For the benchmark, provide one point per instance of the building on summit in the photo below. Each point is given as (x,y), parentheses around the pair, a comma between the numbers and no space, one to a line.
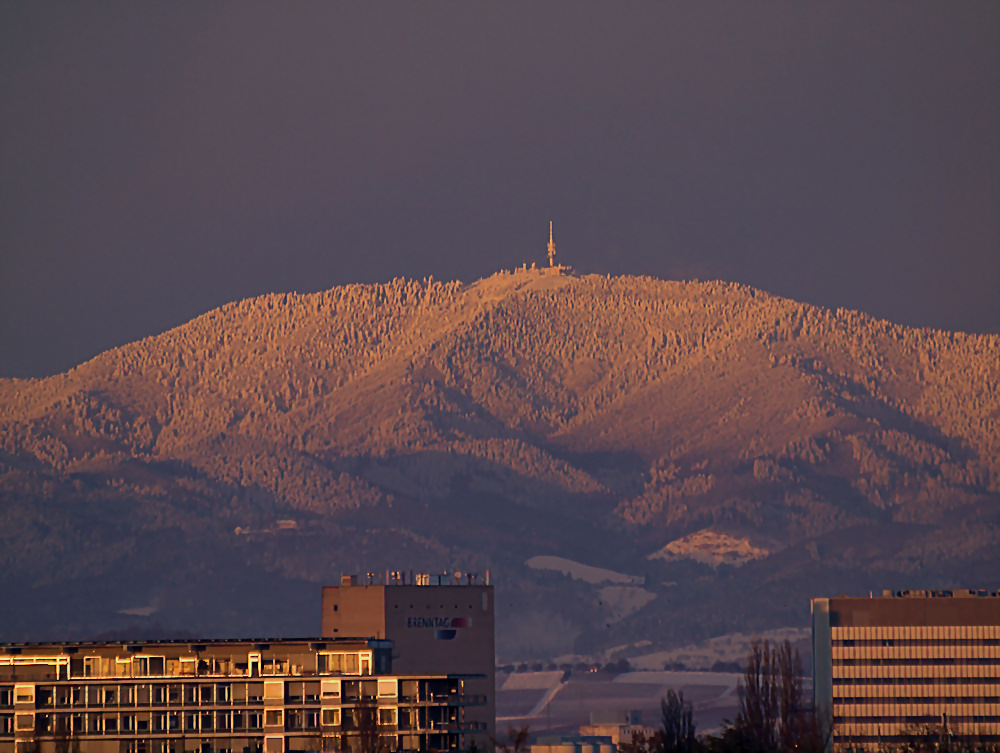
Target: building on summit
(909,664)
(354,692)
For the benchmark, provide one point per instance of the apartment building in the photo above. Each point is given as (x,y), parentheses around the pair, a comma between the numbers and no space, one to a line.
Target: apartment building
(908,664)
(339,693)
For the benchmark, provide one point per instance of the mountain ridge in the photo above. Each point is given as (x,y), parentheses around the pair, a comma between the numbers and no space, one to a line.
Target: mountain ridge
(475,426)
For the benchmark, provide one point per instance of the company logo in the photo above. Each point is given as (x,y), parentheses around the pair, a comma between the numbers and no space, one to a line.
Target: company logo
(445,628)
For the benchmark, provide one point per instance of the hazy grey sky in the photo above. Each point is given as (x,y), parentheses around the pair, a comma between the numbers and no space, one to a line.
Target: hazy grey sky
(160,159)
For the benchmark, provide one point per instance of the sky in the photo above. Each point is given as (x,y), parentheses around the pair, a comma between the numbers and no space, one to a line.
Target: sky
(158,160)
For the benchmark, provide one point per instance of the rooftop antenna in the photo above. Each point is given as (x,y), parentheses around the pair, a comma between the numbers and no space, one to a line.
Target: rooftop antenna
(552,247)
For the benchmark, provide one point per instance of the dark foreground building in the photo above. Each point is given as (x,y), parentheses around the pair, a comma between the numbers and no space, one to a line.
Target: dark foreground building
(360,692)
(908,665)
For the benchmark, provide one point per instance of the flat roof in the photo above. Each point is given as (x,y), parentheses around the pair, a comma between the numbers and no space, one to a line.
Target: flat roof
(317,644)
(909,608)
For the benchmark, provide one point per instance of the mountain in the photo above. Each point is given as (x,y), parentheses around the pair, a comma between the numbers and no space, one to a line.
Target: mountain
(637,462)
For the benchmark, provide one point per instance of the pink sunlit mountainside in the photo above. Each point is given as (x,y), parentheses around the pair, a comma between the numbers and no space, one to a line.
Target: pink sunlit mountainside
(731,452)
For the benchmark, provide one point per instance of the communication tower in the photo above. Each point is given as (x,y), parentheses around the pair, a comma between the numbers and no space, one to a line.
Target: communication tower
(552,247)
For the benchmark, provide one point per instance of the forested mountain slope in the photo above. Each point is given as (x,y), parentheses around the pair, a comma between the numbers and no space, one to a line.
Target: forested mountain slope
(441,426)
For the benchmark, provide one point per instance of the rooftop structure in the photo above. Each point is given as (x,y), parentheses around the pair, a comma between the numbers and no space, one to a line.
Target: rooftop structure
(908,665)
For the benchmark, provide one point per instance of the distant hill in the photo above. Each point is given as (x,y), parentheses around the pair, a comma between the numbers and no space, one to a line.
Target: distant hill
(731,451)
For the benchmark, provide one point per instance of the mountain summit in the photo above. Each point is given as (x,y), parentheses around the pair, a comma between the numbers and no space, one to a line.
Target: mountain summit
(718,453)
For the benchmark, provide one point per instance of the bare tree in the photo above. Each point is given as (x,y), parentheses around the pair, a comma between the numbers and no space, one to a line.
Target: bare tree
(370,739)
(756,720)
(774,715)
(677,724)
(788,689)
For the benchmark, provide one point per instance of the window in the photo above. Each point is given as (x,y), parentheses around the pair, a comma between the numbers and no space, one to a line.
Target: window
(331,716)
(330,689)
(24,721)
(273,717)
(337,663)
(274,689)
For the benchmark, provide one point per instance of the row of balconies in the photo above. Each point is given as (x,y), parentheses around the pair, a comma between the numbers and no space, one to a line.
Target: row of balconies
(41,669)
(46,725)
(211,696)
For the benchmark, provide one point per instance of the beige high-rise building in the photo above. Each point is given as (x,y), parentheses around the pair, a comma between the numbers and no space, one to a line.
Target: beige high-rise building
(908,664)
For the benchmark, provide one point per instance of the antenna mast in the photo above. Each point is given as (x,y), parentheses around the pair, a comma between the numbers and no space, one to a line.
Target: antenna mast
(552,247)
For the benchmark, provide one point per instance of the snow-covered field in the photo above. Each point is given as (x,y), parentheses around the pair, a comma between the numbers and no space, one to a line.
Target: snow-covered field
(579,571)
(550,705)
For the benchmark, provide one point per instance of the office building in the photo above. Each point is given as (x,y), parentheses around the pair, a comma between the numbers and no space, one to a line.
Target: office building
(906,665)
(437,624)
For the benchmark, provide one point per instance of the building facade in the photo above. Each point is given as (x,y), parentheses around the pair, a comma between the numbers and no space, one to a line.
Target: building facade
(337,693)
(906,665)
(439,624)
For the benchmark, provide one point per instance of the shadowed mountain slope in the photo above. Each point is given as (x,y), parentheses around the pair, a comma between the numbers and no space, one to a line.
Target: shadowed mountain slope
(209,479)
